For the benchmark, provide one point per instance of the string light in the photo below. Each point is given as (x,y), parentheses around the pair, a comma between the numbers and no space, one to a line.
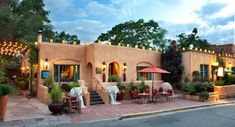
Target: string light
(13,49)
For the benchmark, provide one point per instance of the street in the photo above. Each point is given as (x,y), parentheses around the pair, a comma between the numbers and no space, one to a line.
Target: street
(222,116)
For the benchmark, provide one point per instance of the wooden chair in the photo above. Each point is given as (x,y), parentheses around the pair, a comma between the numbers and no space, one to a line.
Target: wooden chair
(71,103)
(134,95)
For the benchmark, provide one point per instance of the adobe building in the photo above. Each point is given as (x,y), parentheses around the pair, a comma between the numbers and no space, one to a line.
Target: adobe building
(204,61)
(93,64)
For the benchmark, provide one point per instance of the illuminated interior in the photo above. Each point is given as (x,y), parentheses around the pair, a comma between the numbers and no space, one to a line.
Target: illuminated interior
(66,73)
(113,68)
(144,76)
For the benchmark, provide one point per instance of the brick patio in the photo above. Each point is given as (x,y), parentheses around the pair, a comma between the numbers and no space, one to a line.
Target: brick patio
(20,108)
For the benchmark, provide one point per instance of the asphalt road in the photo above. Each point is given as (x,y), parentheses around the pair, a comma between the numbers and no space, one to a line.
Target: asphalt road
(223,116)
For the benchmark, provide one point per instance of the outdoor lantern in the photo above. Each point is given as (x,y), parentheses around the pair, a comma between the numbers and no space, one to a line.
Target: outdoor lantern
(104,66)
(46,64)
(220,72)
(124,67)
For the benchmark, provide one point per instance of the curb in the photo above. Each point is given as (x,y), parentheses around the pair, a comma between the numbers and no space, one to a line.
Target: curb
(128,116)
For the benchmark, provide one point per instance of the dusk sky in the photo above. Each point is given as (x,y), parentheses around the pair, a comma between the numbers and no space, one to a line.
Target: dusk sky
(89,18)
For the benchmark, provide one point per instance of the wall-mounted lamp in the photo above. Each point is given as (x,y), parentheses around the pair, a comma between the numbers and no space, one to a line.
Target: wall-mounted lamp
(22,68)
(104,66)
(46,64)
(124,67)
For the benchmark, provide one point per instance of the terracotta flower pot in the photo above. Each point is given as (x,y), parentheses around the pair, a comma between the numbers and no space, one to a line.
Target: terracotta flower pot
(120,96)
(3,105)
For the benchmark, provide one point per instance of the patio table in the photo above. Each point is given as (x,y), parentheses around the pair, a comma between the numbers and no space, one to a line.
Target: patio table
(144,97)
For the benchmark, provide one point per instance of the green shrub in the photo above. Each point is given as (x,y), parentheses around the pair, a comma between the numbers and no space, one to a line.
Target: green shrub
(231,79)
(203,96)
(226,79)
(196,76)
(199,87)
(65,87)
(209,87)
(142,86)
(190,87)
(56,94)
(219,82)
(74,84)
(49,81)
(6,89)
(131,86)
(114,78)
(121,87)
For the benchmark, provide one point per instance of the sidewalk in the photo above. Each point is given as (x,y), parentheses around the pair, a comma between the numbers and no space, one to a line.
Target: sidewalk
(129,108)
(30,112)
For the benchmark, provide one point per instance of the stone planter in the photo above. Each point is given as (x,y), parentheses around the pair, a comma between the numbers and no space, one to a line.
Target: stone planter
(186,95)
(3,105)
(225,91)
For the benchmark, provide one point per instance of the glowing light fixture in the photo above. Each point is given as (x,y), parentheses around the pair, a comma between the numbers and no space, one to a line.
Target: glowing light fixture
(104,66)
(220,72)
(124,67)
(46,64)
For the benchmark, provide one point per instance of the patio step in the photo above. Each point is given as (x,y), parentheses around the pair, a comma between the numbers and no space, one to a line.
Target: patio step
(95,98)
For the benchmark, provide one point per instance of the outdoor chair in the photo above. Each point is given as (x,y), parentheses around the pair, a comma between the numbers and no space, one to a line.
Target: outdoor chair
(71,103)
(160,90)
(170,94)
(134,95)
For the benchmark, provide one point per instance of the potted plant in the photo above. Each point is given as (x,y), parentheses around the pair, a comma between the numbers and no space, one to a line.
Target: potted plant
(121,93)
(4,91)
(131,88)
(56,106)
(118,80)
(142,88)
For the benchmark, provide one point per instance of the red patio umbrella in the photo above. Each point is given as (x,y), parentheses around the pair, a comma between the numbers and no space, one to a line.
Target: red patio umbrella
(153,70)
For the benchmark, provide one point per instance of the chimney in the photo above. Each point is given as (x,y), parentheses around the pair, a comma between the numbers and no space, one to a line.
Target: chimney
(39,39)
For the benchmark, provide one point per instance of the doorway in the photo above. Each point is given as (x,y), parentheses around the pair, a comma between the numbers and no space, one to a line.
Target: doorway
(113,68)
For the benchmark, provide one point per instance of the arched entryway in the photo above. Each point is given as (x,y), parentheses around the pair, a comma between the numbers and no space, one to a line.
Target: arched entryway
(89,75)
(113,69)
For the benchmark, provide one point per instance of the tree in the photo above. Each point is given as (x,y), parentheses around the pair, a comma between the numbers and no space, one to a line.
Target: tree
(186,40)
(58,37)
(171,60)
(20,20)
(144,34)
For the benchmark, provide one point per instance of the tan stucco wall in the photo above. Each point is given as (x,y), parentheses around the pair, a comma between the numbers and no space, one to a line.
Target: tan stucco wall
(192,60)
(131,56)
(90,57)
(61,54)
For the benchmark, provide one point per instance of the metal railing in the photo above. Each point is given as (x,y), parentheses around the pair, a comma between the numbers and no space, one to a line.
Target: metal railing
(98,84)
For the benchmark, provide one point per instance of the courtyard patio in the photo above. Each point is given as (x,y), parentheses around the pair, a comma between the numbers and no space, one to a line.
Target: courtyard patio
(21,108)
